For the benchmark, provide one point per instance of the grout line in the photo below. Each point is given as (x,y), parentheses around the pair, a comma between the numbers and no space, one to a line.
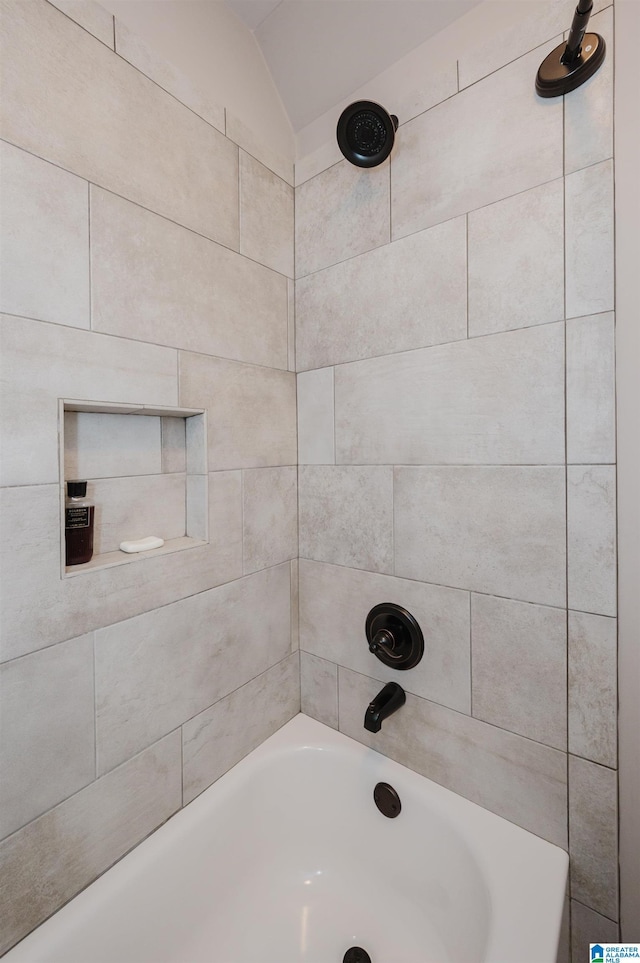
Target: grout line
(586,906)
(470,656)
(390,204)
(150,210)
(616,506)
(466,238)
(393,521)
(152,609)
(174,97)
(454,588)
(452,217)
(270,668)
(566,472)
(311,467)
(474,719)
(442,344)
(155,344)
(333,386)
(89,252)
(82,27)
(244,572)
(239,201)
(555,39)
(182,765)
(114,33)
(95,708)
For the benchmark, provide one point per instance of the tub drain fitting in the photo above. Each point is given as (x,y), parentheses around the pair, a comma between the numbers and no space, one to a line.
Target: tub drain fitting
(387,800)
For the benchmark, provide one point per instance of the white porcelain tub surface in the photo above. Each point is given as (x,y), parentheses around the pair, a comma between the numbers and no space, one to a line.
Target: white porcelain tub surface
(286,859)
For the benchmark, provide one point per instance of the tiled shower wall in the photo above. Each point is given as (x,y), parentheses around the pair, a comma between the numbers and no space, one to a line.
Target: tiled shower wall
(146,258)
(456,443)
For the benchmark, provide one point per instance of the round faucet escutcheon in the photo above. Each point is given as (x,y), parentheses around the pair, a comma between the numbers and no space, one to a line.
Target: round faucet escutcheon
(394,636)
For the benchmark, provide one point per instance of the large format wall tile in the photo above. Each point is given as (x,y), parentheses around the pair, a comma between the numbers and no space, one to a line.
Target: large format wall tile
(100,445)
(68,607)
(591,538)
(592,687)
(249,141)
(593,841)
(94,114)
(44,240)
(44,362)
(47,746)
(160,282)
(588,113)
(50,860)
(335,601)
(316,442)
(218,738)
(174,444)
(548,19)
(291,342)
(591,434)
(156,670)
(488,400)
(519,658)
(319,689)
(514,777)
(91,16)
(134,49)
(351,204)
(295,604)
(270,516)
(319,160)
(589,240)
(266,216)
(499,530)
(252,411)
(516,261)
(404,295)
(346,516)
(490,141)
(588,926)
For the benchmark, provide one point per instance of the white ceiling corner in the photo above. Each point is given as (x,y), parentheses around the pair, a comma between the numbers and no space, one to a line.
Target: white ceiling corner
(319,51)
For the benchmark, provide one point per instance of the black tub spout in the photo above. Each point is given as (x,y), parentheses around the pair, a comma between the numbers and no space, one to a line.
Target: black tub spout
(387,701)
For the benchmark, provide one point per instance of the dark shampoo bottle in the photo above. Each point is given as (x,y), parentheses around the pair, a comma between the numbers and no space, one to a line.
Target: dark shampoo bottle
(78,524)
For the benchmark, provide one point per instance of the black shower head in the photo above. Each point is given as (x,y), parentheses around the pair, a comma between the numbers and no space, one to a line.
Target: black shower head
(573,62)
(366,133)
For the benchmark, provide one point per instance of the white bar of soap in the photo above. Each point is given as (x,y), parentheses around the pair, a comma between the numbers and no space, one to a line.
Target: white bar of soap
(142,544)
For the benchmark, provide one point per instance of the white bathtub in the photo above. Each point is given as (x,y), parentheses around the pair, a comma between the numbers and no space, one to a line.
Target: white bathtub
(286,859)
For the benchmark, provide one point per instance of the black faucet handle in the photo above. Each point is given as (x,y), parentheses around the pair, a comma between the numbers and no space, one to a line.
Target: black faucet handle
(385,641)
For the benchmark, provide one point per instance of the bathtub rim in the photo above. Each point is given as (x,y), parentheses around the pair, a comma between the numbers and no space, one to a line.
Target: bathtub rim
(515,926)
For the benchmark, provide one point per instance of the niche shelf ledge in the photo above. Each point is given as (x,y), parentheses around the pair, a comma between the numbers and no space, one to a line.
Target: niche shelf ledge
(169,481)
(111,559)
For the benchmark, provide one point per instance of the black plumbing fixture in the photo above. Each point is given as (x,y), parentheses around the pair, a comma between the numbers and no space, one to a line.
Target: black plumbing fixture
(387,701)
(366,133)
(387,800)
(570,64)
(355,954)
(394,636)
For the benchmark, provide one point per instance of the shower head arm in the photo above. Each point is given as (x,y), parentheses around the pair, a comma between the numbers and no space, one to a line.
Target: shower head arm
(579,23)
(570,65)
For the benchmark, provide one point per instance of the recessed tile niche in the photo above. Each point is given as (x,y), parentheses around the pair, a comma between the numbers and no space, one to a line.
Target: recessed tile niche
(146,472)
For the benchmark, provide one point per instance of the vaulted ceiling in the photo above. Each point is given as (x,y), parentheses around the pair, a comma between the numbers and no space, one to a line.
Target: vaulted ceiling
(318,51)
